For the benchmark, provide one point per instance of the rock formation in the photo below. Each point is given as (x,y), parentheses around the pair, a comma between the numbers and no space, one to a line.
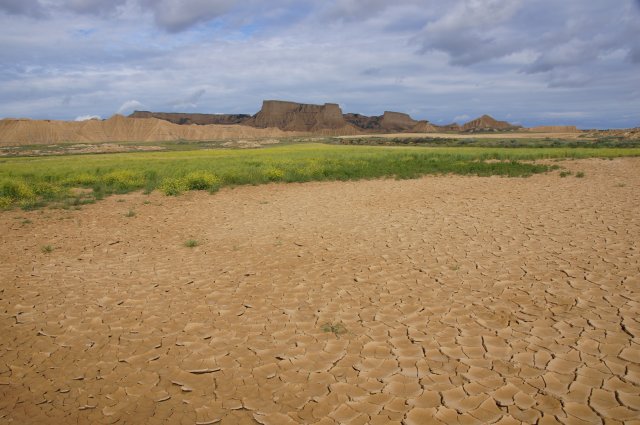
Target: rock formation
(200,119)
(389,122)
(487,123)
(291,116)
(449,127)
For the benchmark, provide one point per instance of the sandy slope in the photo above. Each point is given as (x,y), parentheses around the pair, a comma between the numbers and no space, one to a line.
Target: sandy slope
(121,129)
(464,298)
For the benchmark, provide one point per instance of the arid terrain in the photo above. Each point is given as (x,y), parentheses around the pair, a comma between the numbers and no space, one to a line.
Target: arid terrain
(446,299)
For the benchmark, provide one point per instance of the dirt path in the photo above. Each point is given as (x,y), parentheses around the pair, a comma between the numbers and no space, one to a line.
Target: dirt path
(452,299)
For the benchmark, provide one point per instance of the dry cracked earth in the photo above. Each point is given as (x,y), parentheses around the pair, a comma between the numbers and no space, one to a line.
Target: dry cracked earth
(439,300)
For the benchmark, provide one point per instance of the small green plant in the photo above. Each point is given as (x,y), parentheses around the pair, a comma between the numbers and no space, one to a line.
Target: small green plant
(46,249)
(580,174)
(130,213)
(335,328)
(26,221)
(565,173)
(191,243)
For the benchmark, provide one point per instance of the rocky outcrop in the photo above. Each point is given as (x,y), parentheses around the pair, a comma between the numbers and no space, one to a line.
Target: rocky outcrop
(449,127)
(200,119)
(487,123)
(291,116)
(397,122)
(389,122)
(424,127)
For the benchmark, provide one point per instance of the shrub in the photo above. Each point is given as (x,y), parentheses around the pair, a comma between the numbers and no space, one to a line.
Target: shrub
(202,180)
(16,190)
(191,243)
(173,187)
(5,202)
(580,174)
(123,180)
(274,173)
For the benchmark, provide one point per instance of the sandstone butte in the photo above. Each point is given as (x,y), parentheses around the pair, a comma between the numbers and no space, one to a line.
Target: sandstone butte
(275,119)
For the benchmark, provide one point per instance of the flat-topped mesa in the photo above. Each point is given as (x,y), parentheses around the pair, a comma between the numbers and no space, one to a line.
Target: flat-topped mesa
(487,123)
(292,116)
(188,118)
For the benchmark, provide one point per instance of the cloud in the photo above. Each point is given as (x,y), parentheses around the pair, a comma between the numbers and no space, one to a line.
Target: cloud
(87,117)
(129,106)
(96,7)
(178,15)
(190,102)
(31,8)
(472,31)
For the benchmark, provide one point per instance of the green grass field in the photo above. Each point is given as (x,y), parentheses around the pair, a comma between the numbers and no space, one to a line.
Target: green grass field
(31,182)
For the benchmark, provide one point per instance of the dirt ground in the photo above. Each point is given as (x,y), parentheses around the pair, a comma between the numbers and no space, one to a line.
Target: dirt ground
(439,300)
(506,135)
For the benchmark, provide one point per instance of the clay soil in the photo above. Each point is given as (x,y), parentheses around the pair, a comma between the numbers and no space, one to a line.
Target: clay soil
(435,300)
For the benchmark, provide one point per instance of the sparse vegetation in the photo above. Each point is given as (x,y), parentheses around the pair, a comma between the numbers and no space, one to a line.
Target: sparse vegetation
(46,249)
(191,243)
(68,181)
(335,328)
(565,173)
(130,213)
(580,174)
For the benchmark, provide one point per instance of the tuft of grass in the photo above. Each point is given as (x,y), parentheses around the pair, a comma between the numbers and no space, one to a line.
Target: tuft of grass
(621,185)
(130,213)
(191,243)
(26,221)
(565,173)
(46,249)
(580,174)
(335,328)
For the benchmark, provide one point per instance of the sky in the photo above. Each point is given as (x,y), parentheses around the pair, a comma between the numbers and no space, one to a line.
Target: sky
(530,62)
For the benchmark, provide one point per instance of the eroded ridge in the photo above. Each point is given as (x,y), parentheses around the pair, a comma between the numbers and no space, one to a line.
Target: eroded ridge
(438,300)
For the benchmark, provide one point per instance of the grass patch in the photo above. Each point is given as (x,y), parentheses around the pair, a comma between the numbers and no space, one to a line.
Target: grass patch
(46,249)
(580,174)
(130,213)
(191,243)
(335,328)
(71,180)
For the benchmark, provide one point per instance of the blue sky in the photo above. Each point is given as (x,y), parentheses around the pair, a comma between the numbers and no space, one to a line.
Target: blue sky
(531,62)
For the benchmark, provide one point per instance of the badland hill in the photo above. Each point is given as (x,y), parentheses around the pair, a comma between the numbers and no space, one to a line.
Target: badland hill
(275,119)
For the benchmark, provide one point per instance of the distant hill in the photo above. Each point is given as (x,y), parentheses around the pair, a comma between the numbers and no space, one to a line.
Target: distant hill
(487,123)
(120,129)
(187,118)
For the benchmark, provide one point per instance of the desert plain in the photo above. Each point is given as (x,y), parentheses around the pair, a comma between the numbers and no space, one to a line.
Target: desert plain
(444,299)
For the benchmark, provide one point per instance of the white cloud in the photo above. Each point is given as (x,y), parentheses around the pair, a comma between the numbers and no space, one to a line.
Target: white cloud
(87,117)
(129,106)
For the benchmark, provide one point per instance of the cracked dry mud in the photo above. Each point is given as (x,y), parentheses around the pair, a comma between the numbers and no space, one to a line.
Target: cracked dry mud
(463,299)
